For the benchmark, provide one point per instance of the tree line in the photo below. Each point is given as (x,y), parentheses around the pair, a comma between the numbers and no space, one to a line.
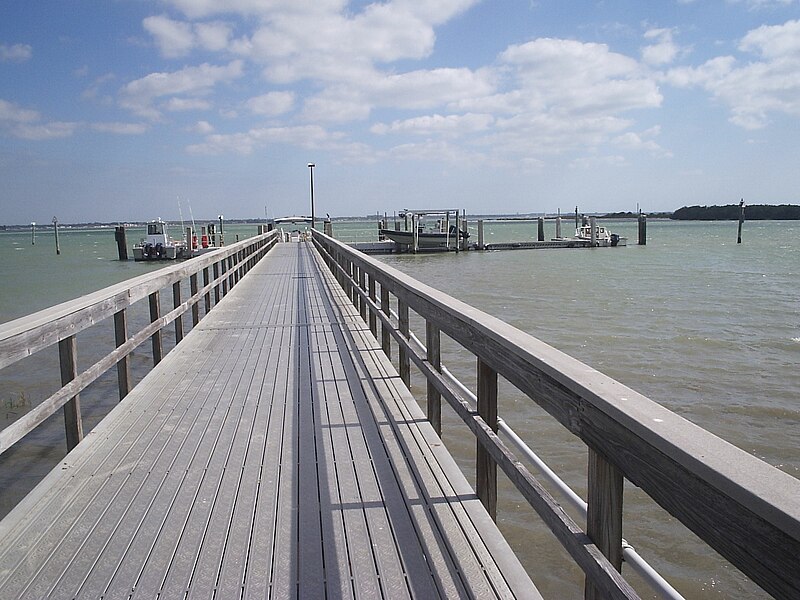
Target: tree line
(730,212)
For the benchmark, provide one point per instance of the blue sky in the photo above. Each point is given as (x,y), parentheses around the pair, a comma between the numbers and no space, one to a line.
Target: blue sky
(114,110)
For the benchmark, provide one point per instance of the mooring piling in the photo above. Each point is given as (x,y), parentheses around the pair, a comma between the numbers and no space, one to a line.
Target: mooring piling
(642,229)
(55,230)
(540,235)
(122,244)
(741,220)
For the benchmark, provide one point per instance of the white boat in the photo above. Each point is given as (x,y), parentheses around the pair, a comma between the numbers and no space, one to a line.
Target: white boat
(158,245)
(434,229)
(425,238)
(603,237)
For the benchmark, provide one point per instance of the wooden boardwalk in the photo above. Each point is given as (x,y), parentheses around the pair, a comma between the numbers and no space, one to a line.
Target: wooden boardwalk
(273,453)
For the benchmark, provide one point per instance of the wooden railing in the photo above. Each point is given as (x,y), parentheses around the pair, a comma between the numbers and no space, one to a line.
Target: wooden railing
(745,509)
(220,271)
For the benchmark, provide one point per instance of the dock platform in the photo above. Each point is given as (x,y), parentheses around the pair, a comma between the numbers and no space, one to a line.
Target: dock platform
(274,452)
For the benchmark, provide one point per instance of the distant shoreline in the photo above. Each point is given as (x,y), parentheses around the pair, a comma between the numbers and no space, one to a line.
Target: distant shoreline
(728,212)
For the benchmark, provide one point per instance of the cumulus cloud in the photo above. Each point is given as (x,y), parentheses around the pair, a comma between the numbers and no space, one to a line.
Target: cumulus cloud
(453,125)
(271,103)
(15,53)
(121,128)
(139,95)
(663,49)
(178,38)
(26,124)
(768,83)
(306,136)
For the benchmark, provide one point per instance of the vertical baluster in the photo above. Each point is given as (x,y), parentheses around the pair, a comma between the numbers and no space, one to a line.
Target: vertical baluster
(362,302)
(196,306)
(123,366)
(485,467)
(68,360)
(386,337)
(433,345)
(373,320)
(176,302)
(156,339)
(208,293)
(604,513)
(215,268)
(405,362)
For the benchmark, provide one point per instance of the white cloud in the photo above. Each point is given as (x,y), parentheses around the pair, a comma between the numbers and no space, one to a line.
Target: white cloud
(44,131)
(271,103)
(576,77)
(178,38)
(10,112)
(184,104)
(307,136)
(754,90)
(663,50)
(15,53)
(438,124)
(763,4)
(202,127)
(121,128)
(174,38)
(138,95)
(25,123)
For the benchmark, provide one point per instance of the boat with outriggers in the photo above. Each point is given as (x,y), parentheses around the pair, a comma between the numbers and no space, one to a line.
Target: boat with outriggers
(158,245)
(602,236)
(425,234)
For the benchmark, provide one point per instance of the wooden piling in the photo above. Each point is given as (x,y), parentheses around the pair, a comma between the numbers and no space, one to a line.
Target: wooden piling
(33,233)
(55,230)
(485,467)
(642,229)
(122,243)
(593,231)
(540,235)
(480,234)
(741,220)
(558,227)
(68,359)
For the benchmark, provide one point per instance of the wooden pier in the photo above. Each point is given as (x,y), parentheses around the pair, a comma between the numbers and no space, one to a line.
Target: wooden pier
(274,452)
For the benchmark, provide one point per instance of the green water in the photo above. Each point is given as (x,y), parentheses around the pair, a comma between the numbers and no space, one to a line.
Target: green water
(704,326)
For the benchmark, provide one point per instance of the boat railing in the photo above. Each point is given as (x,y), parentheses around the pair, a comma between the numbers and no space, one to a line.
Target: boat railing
(60,325)
(745,509)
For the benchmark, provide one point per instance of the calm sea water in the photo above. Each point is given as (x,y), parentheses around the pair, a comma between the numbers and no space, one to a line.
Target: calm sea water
(706,327)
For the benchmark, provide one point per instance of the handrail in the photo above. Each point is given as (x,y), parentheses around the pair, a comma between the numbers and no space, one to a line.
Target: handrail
(642,568)
(745,509)
(59,324)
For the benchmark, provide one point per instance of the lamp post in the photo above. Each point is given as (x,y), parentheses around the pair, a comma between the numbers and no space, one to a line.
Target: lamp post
(311,171)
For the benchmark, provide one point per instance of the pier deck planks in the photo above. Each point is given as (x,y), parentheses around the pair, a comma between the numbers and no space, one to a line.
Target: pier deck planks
(273,453)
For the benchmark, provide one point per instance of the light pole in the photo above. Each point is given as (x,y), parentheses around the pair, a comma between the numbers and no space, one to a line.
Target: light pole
(311,171)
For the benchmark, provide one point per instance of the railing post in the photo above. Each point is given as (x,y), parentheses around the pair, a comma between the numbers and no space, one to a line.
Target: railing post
(196,306)
(155,314)
(362,302)
(208,293)
(604,513)
(123,366)
(373,320)
(215,268)
(176,302)
(386,336)
(485,467)
(405,362)
(68,360)
(224,268)
(433,345)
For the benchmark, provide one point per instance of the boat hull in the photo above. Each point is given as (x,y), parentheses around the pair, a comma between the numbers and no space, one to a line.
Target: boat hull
(424,239)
